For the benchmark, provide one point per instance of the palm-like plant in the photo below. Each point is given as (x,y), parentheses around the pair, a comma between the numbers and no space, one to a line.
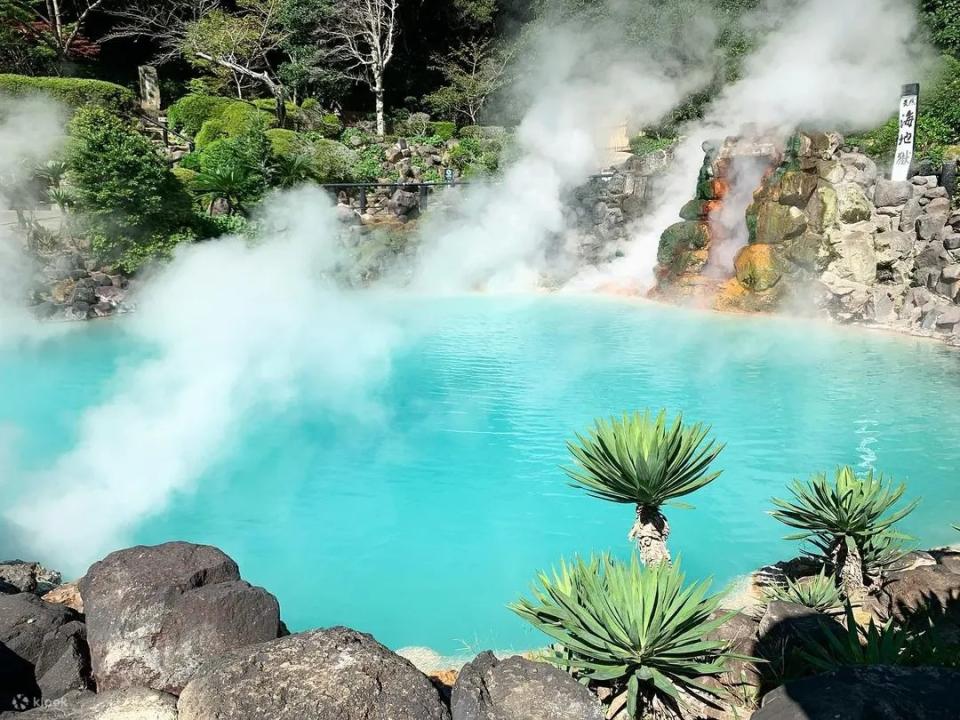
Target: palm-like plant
(646,461)
(818,592)
(631,626)
(230,182)
(849,522)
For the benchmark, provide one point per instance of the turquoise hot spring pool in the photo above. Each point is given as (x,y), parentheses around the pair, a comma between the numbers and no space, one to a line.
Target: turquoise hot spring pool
(421,527)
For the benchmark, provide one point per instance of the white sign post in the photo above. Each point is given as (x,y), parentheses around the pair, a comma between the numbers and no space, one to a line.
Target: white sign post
(909,105)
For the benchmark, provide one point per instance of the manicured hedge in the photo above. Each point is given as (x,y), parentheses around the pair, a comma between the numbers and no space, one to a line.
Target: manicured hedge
(72,92)
(189,113)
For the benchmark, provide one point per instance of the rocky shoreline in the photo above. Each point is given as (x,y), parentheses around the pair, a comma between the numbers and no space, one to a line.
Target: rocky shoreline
(173,632)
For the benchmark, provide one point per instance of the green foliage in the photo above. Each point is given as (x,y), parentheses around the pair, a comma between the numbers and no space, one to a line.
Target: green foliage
(368,166)
(471,131)
(236,168)
(332,161)
(942,18)
(134,208)
(818,592)
(186,176)
(73,92)
(239,117)
(355,137)
(624,624)
(283,143)
(190,112)
(210,131)
(443,130)
(643,459)
(646,144)
(850,509)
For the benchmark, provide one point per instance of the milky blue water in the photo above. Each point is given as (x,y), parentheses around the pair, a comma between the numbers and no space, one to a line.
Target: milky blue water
(421,527)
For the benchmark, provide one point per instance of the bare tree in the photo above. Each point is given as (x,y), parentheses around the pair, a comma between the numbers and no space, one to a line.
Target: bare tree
(239,45)
(63,23)
(359,36)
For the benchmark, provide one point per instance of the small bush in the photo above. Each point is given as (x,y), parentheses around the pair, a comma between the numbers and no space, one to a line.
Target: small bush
(369,164)
(284,143)
(72,92)
(416,125)
(186,176)
(818,593)
(646,144)
(189,113)
(443,130)
(471,131)
(357,137)
(133,207)
(211,130)
(239,117)
(332,161)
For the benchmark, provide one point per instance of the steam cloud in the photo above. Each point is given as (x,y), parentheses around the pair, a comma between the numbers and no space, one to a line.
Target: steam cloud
(822,64)
(31,131)
(233,326)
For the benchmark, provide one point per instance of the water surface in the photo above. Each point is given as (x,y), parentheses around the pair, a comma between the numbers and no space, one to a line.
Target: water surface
(421,523)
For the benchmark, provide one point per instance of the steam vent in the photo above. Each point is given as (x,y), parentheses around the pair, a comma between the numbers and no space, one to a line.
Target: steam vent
(759,230)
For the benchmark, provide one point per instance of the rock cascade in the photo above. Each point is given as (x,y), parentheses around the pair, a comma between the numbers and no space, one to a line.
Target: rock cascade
(825,233)
(71,287)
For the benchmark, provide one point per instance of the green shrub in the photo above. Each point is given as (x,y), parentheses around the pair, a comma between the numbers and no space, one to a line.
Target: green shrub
(355,138)
(310,104)
(332,161)
(211,130)
(284,143)
(186,176)
(239,117)
(191,161)
(189,113)
(623,624)
(414,125)
(646,144)
(235,168)
(369,164)
(471,131)
(72,92)
(818,592)
(133,207)
(443,130)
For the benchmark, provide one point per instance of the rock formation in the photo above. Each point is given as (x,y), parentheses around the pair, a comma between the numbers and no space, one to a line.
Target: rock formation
(824,233)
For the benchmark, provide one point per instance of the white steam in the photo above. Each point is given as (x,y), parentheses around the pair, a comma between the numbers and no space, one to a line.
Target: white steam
(824,64)
(580,90)
(233,327)
(31,131)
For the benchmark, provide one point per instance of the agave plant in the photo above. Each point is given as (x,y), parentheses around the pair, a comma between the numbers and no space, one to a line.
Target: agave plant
(646,461)
(849,522)
(873,645)
(631,626)
(819,592)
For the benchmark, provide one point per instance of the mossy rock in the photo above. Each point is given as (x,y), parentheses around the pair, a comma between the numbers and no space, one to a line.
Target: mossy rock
(696,209)
(778,223)
(852,204)
(734,297)
(711,189)
(804,250)
(682,236)
(822,209)
(796,188)
(758,267)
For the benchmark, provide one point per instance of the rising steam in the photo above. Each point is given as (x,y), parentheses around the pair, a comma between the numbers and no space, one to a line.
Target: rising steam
(232,326)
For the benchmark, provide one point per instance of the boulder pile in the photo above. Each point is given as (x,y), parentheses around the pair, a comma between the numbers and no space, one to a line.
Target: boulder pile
(172,632)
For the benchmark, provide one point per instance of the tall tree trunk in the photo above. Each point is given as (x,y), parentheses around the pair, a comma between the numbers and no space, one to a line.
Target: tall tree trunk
(378,92)
(848,564)
(650,532)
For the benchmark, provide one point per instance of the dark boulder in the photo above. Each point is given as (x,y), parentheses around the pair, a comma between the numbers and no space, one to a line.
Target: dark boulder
(331,674)
(154,614)
(931,588)
(784,628)
(867,693)
(741,634)
(125,704)
(29,577)
(42,650)
(520,689)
